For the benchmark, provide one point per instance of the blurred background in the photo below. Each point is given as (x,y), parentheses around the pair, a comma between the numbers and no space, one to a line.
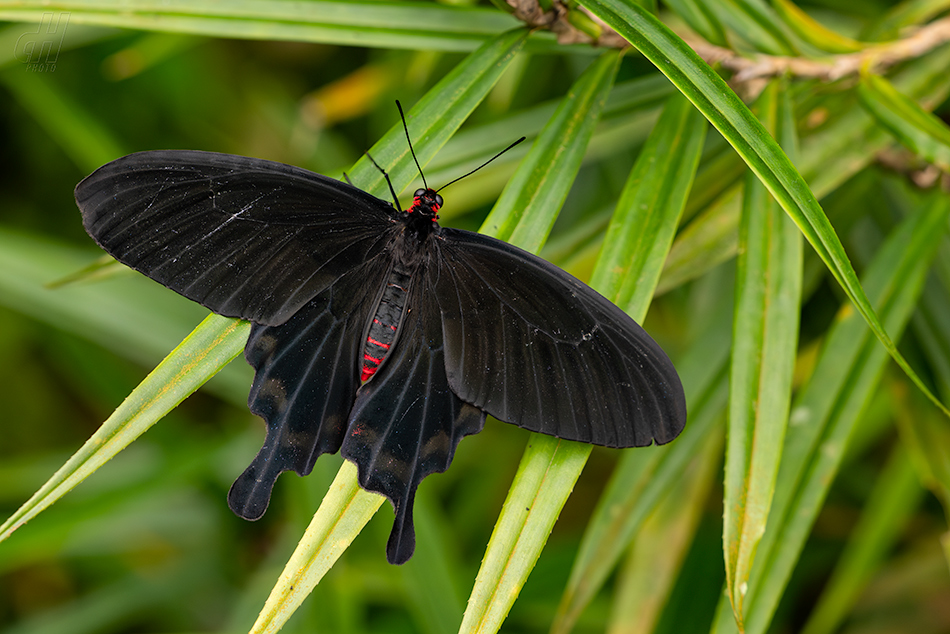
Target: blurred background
(148,544)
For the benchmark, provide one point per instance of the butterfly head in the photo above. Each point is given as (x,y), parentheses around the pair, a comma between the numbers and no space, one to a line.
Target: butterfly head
(426,203)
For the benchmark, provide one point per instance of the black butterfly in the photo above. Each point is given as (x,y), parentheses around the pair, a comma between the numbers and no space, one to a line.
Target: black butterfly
(376,330)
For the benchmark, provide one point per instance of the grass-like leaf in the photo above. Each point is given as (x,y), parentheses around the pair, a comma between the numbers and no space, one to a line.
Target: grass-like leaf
(765,337)
(411,25)
(918,130)
(212,345)
(648,212)
(812,31)
(550,466)
(829,407)
(895,495)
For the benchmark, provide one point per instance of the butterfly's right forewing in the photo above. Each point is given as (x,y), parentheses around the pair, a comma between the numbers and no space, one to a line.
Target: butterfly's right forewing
(244,237)
(533,346)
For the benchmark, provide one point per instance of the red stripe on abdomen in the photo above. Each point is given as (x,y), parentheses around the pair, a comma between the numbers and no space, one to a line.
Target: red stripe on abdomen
(382,330)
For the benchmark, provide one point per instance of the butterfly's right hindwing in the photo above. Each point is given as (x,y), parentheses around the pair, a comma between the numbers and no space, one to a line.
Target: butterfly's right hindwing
(307,375)
(244,237)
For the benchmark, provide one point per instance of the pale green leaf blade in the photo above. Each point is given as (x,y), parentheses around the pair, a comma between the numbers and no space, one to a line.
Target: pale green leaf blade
(918,130)
(843,146)
(701,19)
(641,230)
(656,556)
(544,480)
(528,206)
(814,32)
(755,22)
(211,346)
(831,404)
(342,515)
(550,466)
(896,493)
(437,116)
(643,477)
(412,25)
(765,338)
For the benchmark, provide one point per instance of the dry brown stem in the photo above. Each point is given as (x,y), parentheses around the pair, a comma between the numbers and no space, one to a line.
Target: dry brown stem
(876,57)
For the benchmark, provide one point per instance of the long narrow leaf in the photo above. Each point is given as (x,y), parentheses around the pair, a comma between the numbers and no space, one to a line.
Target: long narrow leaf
(724,110)
(212,345)
(842,147)
(765,337)
(651,568)
(528,206)
(550,466)
(918,130)
(830,406)
(643,478)
(329,534)
(895,495)
(411,25)
(648,212)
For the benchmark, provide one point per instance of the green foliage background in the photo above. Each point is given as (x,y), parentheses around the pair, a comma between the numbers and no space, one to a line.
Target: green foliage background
(831,515)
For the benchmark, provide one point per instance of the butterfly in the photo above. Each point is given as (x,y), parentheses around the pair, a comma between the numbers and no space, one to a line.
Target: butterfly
(377,332)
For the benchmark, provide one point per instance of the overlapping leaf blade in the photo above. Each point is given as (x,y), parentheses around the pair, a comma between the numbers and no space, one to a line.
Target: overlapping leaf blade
(710,94)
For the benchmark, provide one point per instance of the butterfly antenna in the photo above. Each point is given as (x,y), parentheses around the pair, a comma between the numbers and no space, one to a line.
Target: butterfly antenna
(405,127)
(386,176)
(483,164)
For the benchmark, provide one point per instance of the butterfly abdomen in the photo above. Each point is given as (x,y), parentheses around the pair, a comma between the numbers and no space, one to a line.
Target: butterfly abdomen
(382,330)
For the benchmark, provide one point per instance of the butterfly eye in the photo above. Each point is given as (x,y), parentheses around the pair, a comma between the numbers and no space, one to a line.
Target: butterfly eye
(438,200)
(418,193)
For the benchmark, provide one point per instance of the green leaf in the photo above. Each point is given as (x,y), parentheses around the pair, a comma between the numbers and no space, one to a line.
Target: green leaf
(212,345)
(329,534)
(765,338)
(412,25)
(701,19)
(710,94)
(829,156)
(903,14)
(921,132)
(643,477)
(648,212)
(814,32)
(755,22)
(437,116)
(550,466)
(528,206)
(831,404)
(656,555)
